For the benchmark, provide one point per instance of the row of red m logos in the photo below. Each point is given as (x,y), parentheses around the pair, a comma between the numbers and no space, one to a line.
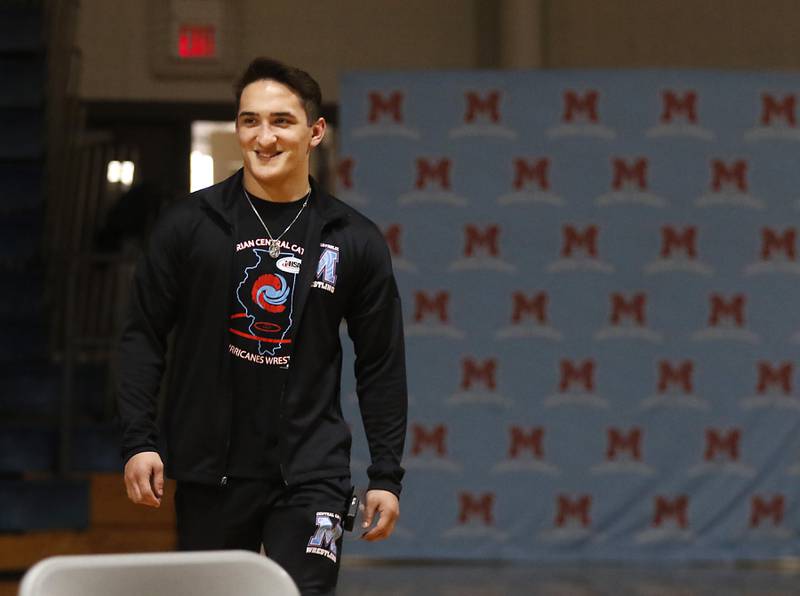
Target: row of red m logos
(727,317)
(576,510)
(770,109)
(534,174)
(583,244)
(624,446)
(670,379)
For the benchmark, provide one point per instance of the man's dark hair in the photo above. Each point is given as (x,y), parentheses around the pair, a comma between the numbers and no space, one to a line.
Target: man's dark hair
(297,80)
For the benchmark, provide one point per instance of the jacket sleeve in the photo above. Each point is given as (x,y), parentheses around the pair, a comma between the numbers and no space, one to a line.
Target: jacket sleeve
(143,345)
(375,324)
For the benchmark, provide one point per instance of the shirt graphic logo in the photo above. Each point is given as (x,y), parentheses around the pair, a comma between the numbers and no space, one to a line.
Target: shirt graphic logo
(270,292)
(328,531)
(326,268)
(266,301)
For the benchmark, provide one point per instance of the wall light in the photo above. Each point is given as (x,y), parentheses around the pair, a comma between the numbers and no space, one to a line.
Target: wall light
(120,172)
(114,171)
(126,176)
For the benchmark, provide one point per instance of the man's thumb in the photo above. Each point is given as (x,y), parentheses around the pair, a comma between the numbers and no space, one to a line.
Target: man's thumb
(369,511)
(159,483)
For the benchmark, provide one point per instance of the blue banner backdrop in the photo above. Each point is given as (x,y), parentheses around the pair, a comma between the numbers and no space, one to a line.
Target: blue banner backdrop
(600,283)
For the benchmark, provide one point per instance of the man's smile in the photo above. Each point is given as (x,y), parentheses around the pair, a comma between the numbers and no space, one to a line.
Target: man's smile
(266,155)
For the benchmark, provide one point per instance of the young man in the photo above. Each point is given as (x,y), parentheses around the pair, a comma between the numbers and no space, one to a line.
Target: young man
(254,276)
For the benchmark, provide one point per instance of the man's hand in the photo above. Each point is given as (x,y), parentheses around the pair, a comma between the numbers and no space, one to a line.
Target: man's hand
(387,506)
(144,479)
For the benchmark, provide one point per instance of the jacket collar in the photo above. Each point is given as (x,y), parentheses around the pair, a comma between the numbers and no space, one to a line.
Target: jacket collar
(222,199)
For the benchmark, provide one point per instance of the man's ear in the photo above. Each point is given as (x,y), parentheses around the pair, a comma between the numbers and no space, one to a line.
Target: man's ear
(318,131)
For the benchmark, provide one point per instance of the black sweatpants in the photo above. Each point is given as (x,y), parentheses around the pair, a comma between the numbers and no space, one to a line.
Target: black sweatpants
(300,527)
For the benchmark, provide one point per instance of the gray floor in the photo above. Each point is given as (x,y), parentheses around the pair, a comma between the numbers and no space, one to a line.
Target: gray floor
(475,579)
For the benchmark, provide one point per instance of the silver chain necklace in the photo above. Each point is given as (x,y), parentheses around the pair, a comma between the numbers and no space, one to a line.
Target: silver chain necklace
(274,245)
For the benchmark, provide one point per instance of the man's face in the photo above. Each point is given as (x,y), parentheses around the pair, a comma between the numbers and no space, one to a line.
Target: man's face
(274,134)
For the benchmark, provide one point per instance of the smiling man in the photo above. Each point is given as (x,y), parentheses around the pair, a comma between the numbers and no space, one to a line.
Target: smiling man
(254,276)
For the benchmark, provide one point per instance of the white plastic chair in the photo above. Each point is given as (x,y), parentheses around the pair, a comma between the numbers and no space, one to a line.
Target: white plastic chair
(206,573)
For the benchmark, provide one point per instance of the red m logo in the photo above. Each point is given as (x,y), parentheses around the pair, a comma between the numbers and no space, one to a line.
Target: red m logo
(779,377)
(574,240)
(725,177)
(671,509)
(761,509)
(672,241)
(722,444)
(783,110)
(537,172)
(685,107)
(531,440)
(573,509)
(484,373)
(726,310)
(436,306)
(580,107)
(434,173)
(471,506)
(680,376)
(619,442)
(535,306)
(633,308)
(393,233)
(380,106)
(485,240)
(489,105)
(772,242)
(574,374)
(628,176)
(424,439)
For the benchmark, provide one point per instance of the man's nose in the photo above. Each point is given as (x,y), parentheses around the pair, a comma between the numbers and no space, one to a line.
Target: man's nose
(266,136)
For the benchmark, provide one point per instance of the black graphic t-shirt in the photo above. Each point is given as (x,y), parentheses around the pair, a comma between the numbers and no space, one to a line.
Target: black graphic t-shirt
(261,328)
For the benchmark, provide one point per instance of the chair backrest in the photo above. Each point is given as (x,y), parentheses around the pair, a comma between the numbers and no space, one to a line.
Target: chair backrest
(207,573)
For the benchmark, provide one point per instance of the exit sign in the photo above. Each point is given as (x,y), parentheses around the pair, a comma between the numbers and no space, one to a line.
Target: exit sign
(197,41)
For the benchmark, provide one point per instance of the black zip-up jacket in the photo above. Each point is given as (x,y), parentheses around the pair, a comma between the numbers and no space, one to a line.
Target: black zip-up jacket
(183,284)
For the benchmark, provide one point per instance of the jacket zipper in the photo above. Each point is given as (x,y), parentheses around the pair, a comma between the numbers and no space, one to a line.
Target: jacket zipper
(285,383)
